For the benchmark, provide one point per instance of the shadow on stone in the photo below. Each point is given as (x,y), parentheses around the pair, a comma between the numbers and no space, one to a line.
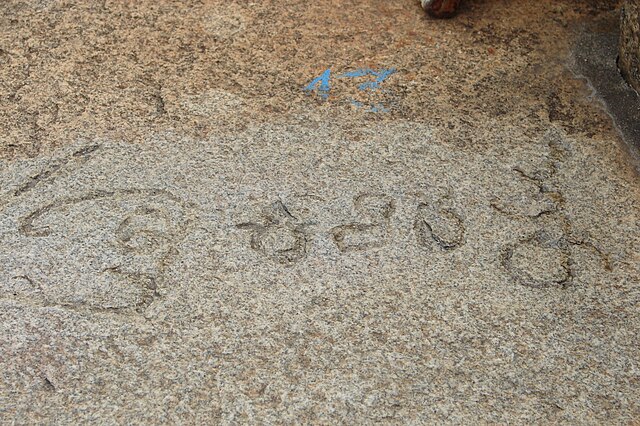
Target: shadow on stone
(595,57)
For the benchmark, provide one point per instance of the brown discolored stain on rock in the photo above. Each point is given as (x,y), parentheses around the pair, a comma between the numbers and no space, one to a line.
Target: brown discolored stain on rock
(127,70)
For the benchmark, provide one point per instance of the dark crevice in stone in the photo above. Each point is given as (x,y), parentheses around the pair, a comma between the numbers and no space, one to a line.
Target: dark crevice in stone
(595,58)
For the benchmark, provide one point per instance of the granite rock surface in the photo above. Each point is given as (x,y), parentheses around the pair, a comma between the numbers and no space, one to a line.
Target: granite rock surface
(445,227)
(630,43)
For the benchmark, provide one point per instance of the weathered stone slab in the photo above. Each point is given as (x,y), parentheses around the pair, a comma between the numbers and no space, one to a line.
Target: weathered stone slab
(630,43)
(316,212)
(184,267)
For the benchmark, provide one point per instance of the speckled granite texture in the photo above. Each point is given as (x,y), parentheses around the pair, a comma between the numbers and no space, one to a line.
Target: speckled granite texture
(630,43)
(445,228)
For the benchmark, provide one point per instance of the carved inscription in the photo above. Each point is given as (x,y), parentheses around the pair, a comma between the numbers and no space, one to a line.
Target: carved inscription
(531,191)
(109,250)
(285,239)
(538,261)
(543,259)
(120,243)
(375,211)
(49,173)
(280,236)
(437,226)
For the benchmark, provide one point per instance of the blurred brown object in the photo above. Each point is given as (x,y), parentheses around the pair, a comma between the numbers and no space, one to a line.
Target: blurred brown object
(441,8)
(629,61)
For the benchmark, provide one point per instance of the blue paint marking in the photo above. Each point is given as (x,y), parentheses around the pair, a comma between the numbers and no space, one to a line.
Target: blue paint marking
(378,108)
(323,84)
(381,76)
